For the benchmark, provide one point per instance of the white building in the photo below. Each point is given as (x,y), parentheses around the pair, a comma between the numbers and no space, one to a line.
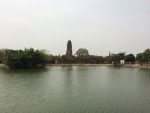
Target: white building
(122,62)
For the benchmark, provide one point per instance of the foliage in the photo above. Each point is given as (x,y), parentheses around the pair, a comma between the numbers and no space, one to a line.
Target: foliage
(97,59)
(82,59)
(2,55)
(91,59)
(144,58)
(108,59)
(28,58)
(51,59)
(82,52)
(115,58)
(130,58)
(67,59)
(139,58)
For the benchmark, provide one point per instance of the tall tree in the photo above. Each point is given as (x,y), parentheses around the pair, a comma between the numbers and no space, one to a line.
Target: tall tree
(82,52)
(2,55)
(139,58)
(146,56)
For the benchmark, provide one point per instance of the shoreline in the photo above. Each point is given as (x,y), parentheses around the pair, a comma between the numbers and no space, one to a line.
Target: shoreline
(3,66)
(136,66)
(125,65)
(79,65)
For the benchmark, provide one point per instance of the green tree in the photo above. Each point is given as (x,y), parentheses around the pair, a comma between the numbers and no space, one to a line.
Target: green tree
(139,58)
(28,58)
(2,55)
(115,58)
(146,56)
(82,56)
(130,58)
(67,59)
(82,52)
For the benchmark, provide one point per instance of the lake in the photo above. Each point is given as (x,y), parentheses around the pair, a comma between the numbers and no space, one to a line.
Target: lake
(75,89)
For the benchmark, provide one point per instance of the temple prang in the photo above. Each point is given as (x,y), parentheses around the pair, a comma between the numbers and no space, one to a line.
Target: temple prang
(69,49)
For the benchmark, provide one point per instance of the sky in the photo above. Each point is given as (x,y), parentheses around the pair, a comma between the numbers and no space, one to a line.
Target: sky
(101,26)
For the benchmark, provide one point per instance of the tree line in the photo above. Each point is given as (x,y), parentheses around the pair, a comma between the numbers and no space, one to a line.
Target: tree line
(30,58)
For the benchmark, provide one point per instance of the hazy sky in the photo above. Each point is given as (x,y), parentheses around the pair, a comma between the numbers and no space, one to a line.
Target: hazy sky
(97,25)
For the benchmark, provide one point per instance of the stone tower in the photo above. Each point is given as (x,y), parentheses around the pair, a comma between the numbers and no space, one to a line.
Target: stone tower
(69,49)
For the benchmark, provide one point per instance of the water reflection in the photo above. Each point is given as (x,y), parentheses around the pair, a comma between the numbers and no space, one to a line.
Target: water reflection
(75,89)
(16,71)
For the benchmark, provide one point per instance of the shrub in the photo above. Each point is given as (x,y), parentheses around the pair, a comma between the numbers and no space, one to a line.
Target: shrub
(28,58)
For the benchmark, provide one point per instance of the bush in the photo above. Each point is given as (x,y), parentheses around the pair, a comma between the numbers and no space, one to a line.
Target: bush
(28,58)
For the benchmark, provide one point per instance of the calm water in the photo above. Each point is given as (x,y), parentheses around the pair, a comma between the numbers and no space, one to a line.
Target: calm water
(75,89)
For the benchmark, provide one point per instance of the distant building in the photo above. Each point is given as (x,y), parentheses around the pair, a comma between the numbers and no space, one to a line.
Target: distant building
(68,57)
(69,49)
(122,62)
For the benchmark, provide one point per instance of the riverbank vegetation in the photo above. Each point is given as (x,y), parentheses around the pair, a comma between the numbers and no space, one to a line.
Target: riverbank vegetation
(30,58)
(27,58)
(144,58)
